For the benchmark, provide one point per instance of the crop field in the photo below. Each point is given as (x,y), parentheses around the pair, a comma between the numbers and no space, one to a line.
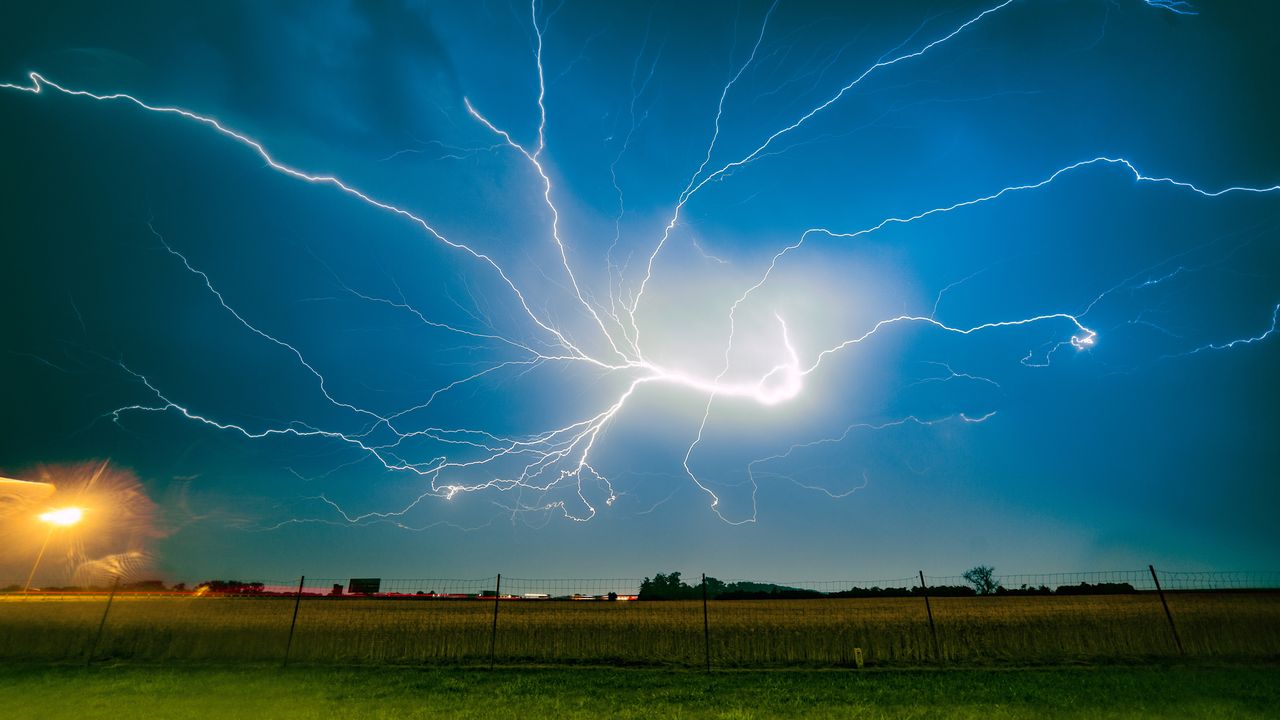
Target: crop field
(740,633)
(1113,692)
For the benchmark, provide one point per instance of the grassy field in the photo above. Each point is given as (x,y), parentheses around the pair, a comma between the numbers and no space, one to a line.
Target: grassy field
(397,692)
(764,633)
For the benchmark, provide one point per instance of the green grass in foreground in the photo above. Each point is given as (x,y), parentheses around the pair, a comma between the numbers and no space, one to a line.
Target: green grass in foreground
(402,692)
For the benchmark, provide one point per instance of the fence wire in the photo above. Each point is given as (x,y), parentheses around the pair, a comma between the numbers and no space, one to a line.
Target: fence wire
(1115,580)
(1061,617)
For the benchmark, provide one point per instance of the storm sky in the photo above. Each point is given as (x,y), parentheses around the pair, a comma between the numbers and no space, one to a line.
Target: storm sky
(1078,375)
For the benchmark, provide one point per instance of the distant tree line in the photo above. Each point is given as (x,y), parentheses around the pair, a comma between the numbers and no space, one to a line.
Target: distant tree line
(233,587)
(136,586)
(670,586)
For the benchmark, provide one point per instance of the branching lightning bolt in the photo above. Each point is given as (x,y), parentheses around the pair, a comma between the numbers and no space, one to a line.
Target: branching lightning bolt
(559,458)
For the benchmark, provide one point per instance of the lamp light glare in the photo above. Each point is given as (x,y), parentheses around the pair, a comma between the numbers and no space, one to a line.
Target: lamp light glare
(63,516)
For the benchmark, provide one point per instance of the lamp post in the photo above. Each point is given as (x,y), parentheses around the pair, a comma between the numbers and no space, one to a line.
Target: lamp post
(62,517)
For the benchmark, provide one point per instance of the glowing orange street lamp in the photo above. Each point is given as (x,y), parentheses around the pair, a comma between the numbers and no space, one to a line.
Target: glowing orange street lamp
(61,517)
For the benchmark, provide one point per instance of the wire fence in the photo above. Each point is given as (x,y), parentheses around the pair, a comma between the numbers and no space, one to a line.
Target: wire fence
(1048,618)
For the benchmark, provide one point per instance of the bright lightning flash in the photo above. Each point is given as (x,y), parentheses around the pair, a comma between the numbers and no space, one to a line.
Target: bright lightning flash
(561,457)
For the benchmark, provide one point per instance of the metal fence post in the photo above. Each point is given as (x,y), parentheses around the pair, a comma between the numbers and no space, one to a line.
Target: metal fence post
(493,635)
(297,601)
(102,624)
(933,629)
(1174,628)
(706,624)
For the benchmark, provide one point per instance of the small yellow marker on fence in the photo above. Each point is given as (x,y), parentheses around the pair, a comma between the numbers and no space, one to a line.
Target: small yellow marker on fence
(857,658)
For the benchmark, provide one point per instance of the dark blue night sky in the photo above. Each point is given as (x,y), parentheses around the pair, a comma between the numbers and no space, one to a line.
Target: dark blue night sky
(1001,282)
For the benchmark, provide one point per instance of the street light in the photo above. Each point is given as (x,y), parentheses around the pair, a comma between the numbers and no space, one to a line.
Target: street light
(61,517)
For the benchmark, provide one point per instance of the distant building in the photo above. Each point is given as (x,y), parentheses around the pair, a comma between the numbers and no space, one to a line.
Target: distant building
(364,586)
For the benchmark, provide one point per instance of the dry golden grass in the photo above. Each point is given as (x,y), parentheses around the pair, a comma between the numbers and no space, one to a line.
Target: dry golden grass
(743,633)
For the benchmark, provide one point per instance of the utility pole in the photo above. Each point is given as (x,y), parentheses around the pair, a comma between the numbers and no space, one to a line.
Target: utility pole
(297,601)
(933,629)
(1174,628)
(493,636)
(706,624)
(102,624)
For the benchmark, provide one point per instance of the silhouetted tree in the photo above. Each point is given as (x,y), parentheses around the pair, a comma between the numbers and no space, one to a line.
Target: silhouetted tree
(671,587)
(715,588)
(982,578)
